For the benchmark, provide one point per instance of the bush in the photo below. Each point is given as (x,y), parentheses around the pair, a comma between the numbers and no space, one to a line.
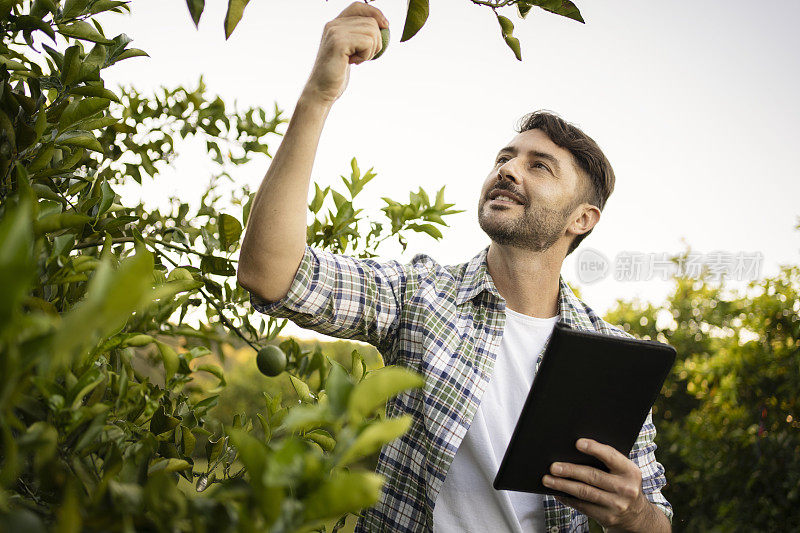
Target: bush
(729,435)
(109,311)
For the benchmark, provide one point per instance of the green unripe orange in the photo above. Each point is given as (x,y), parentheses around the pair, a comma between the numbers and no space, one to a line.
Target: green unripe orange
(271,360)
(384,42)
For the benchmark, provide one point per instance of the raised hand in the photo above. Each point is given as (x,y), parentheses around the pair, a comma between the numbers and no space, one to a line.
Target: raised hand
(351,38)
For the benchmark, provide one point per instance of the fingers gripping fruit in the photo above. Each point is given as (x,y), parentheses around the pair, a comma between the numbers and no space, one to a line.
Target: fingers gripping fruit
(384,42)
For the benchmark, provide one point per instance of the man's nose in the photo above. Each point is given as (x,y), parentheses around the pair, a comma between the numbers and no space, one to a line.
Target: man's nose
(508,171)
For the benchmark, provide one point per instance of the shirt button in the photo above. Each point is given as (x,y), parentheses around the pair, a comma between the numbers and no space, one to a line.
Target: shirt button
(554,529)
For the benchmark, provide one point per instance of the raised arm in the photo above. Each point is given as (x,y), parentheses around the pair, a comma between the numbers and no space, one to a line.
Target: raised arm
(275,240)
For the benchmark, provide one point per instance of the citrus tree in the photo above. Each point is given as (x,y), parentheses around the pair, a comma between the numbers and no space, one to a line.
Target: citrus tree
(417,14)
(108,309)
(729,435)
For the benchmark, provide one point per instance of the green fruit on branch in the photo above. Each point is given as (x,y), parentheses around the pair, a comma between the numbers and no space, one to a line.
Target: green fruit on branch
(384,42)
(271,360)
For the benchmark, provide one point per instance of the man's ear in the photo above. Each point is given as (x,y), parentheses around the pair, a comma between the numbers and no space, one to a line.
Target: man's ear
(586,218)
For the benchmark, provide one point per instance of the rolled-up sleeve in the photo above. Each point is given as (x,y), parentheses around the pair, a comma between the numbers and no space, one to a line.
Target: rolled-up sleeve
(343,296)
(653,478)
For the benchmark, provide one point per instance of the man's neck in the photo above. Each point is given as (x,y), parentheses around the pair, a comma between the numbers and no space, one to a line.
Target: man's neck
(527,280)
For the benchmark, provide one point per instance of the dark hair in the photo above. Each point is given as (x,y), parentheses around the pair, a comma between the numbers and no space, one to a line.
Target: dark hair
(587,154)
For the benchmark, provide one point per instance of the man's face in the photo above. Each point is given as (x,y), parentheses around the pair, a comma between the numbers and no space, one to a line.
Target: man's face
(529,196)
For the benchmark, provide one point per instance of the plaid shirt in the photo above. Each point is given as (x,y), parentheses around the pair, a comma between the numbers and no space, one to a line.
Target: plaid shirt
(445,322)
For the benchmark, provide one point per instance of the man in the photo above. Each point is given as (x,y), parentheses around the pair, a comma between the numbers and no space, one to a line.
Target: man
(475,330)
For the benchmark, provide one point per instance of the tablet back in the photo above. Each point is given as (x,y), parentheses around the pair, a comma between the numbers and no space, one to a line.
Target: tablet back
(588,385)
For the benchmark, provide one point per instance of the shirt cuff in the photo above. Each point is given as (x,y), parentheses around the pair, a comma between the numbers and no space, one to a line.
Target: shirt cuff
(301,297)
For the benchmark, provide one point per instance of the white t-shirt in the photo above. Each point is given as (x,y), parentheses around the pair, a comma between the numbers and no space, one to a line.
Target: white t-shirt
(467,501)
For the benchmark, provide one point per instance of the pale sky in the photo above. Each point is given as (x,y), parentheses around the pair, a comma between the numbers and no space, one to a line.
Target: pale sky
(695,105)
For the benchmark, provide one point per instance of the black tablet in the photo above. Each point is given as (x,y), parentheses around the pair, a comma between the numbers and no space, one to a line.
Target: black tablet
(588,385)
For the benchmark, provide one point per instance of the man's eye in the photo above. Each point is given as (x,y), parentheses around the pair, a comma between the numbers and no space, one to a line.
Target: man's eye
(501,159)
(539,164)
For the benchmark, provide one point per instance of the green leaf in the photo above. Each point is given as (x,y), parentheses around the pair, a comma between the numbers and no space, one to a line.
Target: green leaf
(507,28)
(92,63)
(6,6)
(40,438)
(98,123)
(168,465)
(28,22)
(83,139)
(130,52)
(230,230)
(73,8)
(344,492)
(379,386)
(58,221)
(323,438)
(439,203)
(220,266)
(216,370)
(430,229)
(7,127)
(41,123)
(70,62)
(358,368)
(566,8)
(319,198)
(138,340)
(106,199)
(205,404)
(306,417)
(40,8)
(80,109)
(83,31)
(252,453)
(161,422)
(524,8)
(300,386)
(170,359)
(10,64)
(513,43)
(338,387)
(338,199)
(88,381)
(356,172)
(234,15)
(416,16)
(42,160)
(17,266)
(187,441)
(92,433)
(374,437)
(196,9)
(108,5)
(94,90)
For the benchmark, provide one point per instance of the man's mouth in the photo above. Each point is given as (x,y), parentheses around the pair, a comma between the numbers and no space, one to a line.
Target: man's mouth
(504,197)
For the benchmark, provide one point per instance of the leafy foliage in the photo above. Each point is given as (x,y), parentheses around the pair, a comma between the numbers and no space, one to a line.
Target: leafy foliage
(337,230)
(417,15)
(109,311)
(729,435)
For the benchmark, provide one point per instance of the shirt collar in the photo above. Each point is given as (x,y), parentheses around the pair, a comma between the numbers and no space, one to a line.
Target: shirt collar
(476,279)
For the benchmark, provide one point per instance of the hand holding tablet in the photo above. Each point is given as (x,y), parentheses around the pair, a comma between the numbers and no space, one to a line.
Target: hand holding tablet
(589,386)
(584,411)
